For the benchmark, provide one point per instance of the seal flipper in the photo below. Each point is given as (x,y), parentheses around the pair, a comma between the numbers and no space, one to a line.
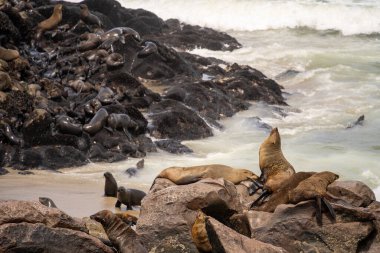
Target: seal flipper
(118,204)
(318,213)
(254,187)
(330,208)
(129,136)
(261,198)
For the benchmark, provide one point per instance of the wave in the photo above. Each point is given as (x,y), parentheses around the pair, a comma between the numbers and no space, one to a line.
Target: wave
(349,17)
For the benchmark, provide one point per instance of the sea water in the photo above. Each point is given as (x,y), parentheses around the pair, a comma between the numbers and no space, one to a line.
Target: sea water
(330,52)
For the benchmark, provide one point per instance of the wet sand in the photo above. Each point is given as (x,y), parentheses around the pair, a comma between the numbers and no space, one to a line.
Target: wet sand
(77,196)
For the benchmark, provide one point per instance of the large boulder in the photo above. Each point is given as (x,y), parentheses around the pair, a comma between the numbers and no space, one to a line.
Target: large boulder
(167,215)
(353,192)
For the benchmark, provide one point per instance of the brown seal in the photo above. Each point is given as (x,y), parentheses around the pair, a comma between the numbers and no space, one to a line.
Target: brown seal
(199,233)
(315,187)
(120,234)
(87,17)
(50,23)
(127,218)
(5,81)
(129,197)
(188,175)
(97,122)
(110,186)
(8,54)
(275,169)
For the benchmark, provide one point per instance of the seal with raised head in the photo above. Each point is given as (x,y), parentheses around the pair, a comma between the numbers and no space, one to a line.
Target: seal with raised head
(120,234)
(87,17)
(188,175)
(275,169)
(110,186)
(50,23)
(129,197)
(199,233)
(97,122)
(8,54)
(47,202)
(315,187)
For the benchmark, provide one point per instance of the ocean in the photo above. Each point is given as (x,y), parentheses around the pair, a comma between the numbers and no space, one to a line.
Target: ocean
(326,55)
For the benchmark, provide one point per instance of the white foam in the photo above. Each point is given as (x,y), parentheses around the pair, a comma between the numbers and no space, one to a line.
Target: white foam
(349,17)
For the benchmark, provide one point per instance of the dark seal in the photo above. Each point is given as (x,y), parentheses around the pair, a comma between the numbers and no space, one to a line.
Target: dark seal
(110,186)
(129,197)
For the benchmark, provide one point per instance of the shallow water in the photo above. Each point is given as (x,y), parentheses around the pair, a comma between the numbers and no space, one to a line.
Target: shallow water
(337,79)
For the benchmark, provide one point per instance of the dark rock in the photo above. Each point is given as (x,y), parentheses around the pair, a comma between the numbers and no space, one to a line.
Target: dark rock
(3,171)
(173,146)
(25,172)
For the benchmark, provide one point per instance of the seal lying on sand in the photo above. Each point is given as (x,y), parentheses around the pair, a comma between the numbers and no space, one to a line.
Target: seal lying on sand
(129,197)
(188,175)
(110,186)
(120,234)
(275,169)
(50,23)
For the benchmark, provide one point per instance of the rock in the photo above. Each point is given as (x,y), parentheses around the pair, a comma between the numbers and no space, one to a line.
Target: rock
(95,229)
(167,215)
(295,229)
(225,240)
(25,172)
(352,192)
(173,146)
(160,184)
(12,211)
(171,119)
(3,171)
(27,237)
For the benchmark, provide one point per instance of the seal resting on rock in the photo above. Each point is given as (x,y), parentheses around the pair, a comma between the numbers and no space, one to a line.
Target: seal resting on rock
(199,233)
(315,187)
(8,54)
(120,234)
(97,122)
(110,186)
(50,23)
(121,121)
(127,218)
(87,17)
(67,125)
(188,175)
(129,197)
(275,169)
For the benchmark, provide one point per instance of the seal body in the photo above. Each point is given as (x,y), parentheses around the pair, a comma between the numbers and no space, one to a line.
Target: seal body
(50,23)
(67,125)
(148,49)
(275,169)
(47,202)
(110,186)
(97,122)
(199,233)
(188,175)
(120,234)
(8,54)
(87,17)
(129,197)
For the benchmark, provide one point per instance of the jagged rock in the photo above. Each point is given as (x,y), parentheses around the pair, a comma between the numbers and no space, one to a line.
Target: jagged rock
(27,237)
(173,146)
(354,193)
(167,215)
(225,240)
(295,229)
(12,211)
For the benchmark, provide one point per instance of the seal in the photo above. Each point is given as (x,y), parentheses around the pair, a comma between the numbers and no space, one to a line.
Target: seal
(127,218)
(87,17)
(79,86)
(188,175)
(118,33)
(97,122)
(121,121)
(89,41)
(114,61)
(275,169)
(105,95)
(6,129)
(92,106)
(129,197)
(140,164)
(120,234)
(5,81)
(315,187)
(149,48)
(199,233)
(110,186)
(67,125)
(47,202)
(50,23)
(8,54)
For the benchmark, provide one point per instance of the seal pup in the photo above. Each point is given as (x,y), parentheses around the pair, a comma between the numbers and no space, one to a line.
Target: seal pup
(199,233)
(275,169)
(140,164)
(87,17)
(120,234)
(121,121)
(97,122)
(8,54)
(110,186)
(50,23)
(129,197)
(188,175)
(315,187)
(47,202)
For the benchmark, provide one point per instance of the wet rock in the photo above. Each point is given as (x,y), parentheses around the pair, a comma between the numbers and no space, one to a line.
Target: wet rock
(3,171)
(27,237)
(354,193)
(167,215)
(171,119)
(295,228)
(12,211)
(173,146)
(25,172)
(224,239)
